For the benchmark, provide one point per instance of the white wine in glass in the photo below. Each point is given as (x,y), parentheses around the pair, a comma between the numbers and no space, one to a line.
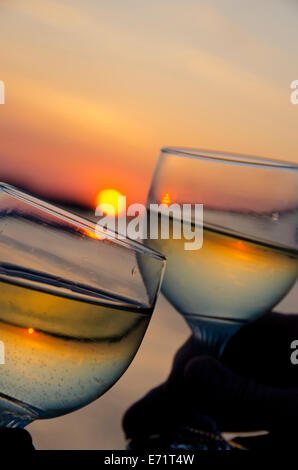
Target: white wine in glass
(248,261)
(74,308)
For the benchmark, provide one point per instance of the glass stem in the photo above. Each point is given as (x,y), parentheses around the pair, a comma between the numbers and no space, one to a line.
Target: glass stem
(10,421)
(213,335)
(16,414)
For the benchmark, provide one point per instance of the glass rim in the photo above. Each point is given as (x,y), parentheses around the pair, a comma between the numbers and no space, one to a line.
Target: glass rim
(81,222)
(229,158)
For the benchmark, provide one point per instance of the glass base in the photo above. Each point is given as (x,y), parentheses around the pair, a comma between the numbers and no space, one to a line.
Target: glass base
(212,335)
(16,414)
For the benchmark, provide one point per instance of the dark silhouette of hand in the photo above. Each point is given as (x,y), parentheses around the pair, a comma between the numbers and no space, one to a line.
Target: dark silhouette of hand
(253,387)
(15,439)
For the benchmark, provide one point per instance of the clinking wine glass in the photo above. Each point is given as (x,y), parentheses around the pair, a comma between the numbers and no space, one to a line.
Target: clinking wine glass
(74,307)
(248,260)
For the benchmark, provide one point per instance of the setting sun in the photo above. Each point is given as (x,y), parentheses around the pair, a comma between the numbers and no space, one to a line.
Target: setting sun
(166,200)
(108,200)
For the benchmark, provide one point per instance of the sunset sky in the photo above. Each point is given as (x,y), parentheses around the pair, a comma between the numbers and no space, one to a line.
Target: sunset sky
(95,88)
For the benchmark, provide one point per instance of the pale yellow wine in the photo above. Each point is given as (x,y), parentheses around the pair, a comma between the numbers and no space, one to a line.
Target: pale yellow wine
(61,353)
(229,278)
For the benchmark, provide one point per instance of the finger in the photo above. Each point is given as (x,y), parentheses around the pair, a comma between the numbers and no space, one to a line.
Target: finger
(184,354)
(262,350)
(236,402)
(150,414)
(155,422)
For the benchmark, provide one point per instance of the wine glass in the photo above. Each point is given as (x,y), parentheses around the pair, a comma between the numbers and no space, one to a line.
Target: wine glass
(248,260)
(74,307)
